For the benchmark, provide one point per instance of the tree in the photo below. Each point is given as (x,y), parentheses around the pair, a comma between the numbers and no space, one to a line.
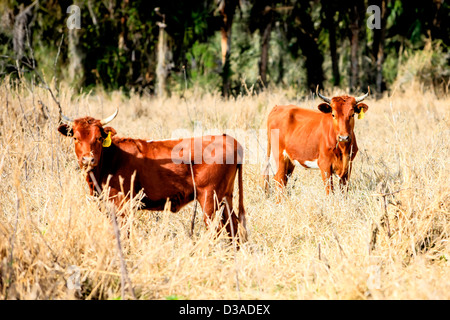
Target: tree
(162,67)
(227,9)
(356,13)
(21,32)
(123,45)
(330,8)
(262,16)
(379,35)
(305,38)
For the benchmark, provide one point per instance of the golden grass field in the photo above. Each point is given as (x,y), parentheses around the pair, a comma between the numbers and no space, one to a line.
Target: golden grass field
(55,242)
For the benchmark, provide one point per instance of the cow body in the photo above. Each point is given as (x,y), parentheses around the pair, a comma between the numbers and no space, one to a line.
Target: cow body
(322,139)
(169,170)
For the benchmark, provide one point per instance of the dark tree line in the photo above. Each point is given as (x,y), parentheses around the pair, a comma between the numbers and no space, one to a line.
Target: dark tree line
(158,46)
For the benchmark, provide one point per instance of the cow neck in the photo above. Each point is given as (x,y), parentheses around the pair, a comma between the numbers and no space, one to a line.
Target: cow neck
(340,149)
(103,168)
(344,148)
(343,153)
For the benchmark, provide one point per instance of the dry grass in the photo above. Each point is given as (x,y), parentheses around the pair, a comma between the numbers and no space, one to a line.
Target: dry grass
(308,247)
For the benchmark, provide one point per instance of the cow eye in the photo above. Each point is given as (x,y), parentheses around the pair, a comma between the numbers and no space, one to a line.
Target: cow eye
(333,115)
(99,139)
(75,139)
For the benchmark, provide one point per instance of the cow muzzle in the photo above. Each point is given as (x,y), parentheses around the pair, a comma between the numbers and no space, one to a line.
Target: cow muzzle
(344,138)
(88,162)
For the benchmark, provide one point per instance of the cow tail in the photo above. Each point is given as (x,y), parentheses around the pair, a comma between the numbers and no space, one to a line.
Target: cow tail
(242,219)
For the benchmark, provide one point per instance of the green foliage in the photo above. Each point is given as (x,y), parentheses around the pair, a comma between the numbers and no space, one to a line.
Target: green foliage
(203,65)
(117,43)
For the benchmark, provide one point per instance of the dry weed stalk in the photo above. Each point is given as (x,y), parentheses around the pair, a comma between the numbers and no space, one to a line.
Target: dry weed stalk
(111,209)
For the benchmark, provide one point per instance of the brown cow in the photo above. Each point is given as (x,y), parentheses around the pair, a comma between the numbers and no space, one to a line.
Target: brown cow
(322,140)
(162,169)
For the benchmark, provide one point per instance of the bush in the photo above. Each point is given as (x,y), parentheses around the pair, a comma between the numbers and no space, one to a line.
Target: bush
(426,69)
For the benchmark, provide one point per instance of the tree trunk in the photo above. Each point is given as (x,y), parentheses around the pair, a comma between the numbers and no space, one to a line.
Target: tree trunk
(161,67)
(356,19)
(330,25)
(354,65)
(21,33)
(334,58)
(226,9)
(124,72)
(378,47)
(380,51)
(123,35)
(265,53)
(307,35)
(225,32)
(75,54)
(313,63)
(226,44)
(440,15)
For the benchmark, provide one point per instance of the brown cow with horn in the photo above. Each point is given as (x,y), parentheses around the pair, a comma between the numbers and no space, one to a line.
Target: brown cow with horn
(321,139)
(173,170)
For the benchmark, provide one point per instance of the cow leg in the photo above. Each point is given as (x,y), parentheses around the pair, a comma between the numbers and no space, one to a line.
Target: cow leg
(231,224)
(266,184)
(210,207)
(326,172)
(289,169)
(285,169)
(343,182)
(207,200)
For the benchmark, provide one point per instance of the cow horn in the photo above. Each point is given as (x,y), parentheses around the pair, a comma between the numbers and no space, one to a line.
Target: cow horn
(66,119)
(110,118)
(361,98)
(326,99)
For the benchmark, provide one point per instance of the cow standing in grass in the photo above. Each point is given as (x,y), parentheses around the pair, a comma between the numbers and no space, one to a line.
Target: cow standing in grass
(178,171)
(321,139)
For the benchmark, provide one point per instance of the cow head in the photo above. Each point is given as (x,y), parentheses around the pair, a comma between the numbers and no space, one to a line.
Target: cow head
(88,135)
(343,110)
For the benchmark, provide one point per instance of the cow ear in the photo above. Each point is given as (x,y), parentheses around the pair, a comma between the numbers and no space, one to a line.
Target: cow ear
(324,107)
(108,130)
(65,130)
(361,106)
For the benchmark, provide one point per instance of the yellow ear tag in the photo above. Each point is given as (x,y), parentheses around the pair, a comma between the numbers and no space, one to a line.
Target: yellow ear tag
(361,114)
(107,142)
